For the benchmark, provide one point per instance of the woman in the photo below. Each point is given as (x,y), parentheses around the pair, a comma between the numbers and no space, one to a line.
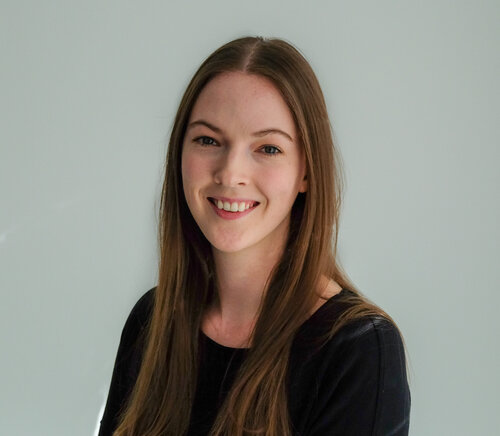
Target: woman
(253,327)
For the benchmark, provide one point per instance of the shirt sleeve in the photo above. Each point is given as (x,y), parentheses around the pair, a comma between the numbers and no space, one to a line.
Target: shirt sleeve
(126,365)
(364,389)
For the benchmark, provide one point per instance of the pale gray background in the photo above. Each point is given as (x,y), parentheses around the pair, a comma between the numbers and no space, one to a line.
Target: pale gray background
(89,90)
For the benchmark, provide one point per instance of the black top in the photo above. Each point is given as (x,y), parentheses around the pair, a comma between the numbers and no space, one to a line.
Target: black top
(355,385)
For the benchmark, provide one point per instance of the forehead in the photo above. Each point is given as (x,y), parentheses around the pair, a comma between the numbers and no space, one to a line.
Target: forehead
(242,102)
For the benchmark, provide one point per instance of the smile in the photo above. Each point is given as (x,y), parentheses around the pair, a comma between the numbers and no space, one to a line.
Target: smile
(232,209)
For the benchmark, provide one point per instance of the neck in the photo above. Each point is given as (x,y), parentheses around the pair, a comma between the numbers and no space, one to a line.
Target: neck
(241,283)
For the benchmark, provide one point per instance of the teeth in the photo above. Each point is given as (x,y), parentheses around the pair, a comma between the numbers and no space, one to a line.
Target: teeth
(233,207)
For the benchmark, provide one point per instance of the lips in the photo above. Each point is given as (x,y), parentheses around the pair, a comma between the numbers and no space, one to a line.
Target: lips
(232,208)
(232,204)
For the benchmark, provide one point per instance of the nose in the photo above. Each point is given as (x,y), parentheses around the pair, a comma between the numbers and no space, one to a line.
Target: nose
(232,169)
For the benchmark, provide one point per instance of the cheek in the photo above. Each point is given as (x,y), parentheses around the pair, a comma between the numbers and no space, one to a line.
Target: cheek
(193,169)
(282,182)
(188,168)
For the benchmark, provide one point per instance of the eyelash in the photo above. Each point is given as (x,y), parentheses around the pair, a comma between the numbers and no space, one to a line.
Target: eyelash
(275,153)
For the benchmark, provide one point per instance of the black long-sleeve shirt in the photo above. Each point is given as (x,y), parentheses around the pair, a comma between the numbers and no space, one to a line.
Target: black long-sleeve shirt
(355,385)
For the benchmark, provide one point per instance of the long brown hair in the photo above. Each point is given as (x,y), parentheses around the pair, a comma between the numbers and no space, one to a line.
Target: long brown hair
(161,400)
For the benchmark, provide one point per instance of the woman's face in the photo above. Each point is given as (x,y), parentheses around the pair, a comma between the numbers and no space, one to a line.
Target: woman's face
(240,174)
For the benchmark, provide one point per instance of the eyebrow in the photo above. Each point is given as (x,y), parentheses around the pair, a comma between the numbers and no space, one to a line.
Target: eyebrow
(260,133)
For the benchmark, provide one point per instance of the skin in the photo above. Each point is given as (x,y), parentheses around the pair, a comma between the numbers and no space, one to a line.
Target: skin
(235,164)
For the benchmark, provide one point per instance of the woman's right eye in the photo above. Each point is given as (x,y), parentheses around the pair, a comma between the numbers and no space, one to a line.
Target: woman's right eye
(205,140)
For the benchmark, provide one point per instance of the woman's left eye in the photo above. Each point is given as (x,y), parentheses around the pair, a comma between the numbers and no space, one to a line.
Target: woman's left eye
(271,150)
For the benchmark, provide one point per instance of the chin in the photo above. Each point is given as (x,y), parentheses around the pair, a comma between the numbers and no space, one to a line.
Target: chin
(228,245)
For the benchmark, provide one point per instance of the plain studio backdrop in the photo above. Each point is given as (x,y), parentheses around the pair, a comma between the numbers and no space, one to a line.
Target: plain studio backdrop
(89,90)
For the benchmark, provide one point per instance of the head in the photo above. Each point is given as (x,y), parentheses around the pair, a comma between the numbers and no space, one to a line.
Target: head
(241,153)
(278,74)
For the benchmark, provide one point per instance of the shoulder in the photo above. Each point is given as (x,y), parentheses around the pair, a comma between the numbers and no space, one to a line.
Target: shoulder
(127,361)
(132,338)
(371,331)
(361,372)
(138,318)
(374,360)
(367,340)
(362,331)
(369,337)
(372,346)
(143,305)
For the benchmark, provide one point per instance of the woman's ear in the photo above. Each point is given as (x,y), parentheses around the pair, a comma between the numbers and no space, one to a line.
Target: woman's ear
(303,184)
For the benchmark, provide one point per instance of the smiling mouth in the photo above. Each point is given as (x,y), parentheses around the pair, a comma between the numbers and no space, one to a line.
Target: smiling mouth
(234,206)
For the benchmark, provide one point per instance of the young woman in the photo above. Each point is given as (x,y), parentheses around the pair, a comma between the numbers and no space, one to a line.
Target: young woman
(253,327)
